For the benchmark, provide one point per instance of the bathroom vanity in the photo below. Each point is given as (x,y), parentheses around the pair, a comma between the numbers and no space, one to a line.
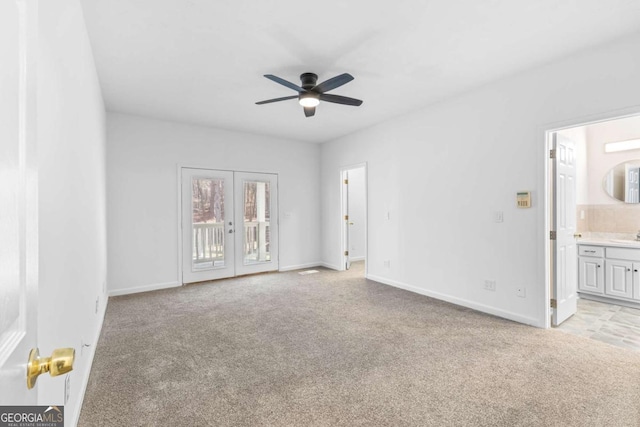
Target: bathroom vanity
(609,271)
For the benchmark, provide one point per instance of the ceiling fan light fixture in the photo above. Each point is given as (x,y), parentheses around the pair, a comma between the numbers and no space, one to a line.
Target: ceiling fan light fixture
(309,99)
(310,94)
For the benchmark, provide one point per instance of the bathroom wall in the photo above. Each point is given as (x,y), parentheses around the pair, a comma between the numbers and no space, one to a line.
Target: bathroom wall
(598,212)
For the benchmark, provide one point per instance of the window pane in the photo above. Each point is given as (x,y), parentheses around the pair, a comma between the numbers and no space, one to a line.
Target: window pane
(208,223)
(257,217)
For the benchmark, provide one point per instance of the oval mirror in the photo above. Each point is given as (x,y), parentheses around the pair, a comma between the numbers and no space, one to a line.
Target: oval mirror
(621,182)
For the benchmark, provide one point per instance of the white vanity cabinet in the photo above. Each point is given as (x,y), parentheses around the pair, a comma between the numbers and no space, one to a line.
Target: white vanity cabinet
(591,269)
(609,271)
(619,278)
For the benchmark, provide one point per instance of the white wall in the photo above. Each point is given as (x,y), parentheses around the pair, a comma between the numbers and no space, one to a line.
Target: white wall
(72,211)
(142,159)
(441,172)
(357,212)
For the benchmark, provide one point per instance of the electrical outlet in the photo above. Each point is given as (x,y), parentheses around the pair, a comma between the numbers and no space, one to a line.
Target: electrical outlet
(387,263)
(498,216)
(490,285)
(521,292)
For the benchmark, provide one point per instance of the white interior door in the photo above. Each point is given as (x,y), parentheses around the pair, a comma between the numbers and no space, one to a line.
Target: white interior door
(229,224)
(18,200)
(207,225)
(565,259)
(256,219)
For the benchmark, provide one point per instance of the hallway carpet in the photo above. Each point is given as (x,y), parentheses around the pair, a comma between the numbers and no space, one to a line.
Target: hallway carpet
(334,349)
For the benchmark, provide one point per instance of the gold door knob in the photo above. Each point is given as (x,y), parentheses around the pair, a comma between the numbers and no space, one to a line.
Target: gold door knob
(577,235)
(60,362)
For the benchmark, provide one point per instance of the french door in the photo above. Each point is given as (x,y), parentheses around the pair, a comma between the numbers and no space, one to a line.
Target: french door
(229,224)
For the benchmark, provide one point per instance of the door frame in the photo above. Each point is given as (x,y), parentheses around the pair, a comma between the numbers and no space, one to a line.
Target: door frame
(179,234)
(547,132)
(343,258)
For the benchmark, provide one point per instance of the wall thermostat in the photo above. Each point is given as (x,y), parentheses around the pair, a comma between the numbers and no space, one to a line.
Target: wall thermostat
(523,199)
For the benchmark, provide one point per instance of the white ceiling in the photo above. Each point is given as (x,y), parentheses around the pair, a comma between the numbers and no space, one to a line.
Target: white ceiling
(202,61)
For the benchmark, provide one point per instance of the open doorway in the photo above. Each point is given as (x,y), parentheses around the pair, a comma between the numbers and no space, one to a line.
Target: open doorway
(353,184)
(594,223)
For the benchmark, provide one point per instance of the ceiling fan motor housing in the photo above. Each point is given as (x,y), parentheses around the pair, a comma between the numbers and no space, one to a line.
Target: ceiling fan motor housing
(308,80)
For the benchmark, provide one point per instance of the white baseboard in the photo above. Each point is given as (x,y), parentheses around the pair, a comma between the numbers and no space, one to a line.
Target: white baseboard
(331,266)
(356,258)
(459,301)
(145,288)
(300,266)
(92,352)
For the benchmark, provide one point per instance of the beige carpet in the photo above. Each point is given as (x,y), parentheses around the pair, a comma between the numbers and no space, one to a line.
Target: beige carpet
(333,349)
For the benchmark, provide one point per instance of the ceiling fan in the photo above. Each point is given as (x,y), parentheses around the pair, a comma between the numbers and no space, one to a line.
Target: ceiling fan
(310,94)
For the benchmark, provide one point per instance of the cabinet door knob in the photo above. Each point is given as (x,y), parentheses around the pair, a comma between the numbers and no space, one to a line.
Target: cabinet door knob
(628,269)
(598,265)
(635,270)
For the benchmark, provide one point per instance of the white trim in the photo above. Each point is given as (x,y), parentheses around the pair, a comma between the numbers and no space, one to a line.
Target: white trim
(357,258)
(544,226)
(144,288)
(330,266)
(459,301)
(611,301)
(179,228)
(300,266)
(92,352)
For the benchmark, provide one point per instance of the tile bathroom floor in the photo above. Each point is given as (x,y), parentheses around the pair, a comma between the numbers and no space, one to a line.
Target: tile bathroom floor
(613,324)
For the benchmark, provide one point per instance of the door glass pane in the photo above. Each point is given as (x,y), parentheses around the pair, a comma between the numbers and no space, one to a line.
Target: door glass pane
(208,223)
(257,217)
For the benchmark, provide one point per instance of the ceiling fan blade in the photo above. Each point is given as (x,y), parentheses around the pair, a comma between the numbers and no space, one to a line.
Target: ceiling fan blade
(337,99)
(268,101)
(333,83)
(283,82)
(309,111)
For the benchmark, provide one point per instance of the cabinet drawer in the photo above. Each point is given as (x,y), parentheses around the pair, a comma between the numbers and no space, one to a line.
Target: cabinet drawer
(591,251)
(624,253)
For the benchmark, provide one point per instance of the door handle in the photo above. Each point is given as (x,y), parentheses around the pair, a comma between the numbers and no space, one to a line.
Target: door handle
(577,235)
(230,231)
(60,362)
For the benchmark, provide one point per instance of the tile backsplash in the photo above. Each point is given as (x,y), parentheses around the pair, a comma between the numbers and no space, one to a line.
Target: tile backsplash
(618,218)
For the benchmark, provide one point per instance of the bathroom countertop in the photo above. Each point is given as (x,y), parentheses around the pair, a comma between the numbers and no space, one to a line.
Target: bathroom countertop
(622,243)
